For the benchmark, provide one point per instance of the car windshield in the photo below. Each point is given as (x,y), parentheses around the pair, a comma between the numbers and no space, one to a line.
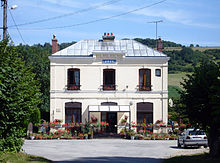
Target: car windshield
(196,133)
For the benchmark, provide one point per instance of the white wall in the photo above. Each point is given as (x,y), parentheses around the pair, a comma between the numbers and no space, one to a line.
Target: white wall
(91,79)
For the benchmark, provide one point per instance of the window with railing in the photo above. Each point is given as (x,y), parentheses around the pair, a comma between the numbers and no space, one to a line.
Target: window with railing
(73,81)
(144,80)
(108,79)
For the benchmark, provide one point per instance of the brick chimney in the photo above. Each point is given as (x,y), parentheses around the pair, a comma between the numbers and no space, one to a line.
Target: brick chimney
(108,37)
(159,45)
(55,46)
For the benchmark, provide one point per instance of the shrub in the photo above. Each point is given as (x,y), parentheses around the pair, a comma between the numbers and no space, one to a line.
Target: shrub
(11,144)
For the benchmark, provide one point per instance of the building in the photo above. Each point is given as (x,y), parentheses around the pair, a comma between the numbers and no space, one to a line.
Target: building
(108,80)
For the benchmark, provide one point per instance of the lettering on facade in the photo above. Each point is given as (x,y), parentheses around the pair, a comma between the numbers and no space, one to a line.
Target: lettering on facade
(111,61)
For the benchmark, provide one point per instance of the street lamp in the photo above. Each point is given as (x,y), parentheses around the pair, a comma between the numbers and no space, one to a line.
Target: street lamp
(14,7)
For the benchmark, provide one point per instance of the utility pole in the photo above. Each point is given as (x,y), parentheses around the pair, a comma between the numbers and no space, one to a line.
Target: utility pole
(159,21)
(4,19)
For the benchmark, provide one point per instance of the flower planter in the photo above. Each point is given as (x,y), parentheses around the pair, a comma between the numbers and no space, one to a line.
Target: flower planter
(81,137)
(132,137)
(32,137)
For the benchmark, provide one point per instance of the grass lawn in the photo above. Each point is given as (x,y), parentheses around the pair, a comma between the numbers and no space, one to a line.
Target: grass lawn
(173,92)
(175,79)
(21,158)
(198,158)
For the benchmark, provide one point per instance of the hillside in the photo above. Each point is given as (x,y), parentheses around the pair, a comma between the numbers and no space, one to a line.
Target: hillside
(201,49)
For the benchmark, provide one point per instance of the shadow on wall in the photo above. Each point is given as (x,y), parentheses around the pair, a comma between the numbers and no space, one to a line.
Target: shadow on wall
(113,160)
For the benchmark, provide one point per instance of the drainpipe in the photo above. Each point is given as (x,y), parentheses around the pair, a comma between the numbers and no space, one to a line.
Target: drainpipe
(162,91)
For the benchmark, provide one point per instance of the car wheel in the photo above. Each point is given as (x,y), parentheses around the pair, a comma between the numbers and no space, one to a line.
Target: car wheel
(178,143)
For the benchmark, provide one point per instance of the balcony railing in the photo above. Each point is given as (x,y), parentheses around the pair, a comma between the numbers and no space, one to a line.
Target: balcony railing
(144,87)
(108,87)
(73,87)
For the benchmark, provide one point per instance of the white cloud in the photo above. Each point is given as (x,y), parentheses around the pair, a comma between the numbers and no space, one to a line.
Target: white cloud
(173,15)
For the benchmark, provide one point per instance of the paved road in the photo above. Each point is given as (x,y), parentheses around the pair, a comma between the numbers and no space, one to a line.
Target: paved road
(103,150)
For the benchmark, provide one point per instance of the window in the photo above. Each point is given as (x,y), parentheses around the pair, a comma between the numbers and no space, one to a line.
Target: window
(73,82)
(108,79)
(144,80)
(158,72)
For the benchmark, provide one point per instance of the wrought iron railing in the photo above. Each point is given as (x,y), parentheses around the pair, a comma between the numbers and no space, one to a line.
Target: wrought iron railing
(73,87)
(109,87)
(144,87)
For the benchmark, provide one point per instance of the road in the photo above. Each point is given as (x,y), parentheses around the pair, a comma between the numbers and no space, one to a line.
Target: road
(106,150)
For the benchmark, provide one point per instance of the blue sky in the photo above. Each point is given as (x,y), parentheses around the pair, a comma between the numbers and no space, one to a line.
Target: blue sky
(184,21)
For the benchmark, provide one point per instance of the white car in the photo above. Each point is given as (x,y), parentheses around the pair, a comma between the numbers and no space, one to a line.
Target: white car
(192,137)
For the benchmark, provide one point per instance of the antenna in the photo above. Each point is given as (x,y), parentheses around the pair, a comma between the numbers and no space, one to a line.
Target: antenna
(158,21)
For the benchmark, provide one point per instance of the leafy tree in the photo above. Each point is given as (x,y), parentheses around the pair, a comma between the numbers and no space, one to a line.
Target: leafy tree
(152,43)
(37,57)
(191,45)
(201,99)
(19,96)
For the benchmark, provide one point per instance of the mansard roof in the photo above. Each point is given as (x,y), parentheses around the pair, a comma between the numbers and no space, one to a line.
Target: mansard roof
(130,48)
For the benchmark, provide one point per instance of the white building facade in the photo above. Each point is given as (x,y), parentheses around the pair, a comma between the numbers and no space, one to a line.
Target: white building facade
(109,79)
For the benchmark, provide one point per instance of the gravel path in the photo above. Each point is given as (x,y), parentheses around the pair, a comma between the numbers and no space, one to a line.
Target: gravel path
(106,150)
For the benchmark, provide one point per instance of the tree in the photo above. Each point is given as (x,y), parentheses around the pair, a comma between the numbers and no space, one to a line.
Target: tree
(191,45)
(201,99)
(19,97)
(37,57)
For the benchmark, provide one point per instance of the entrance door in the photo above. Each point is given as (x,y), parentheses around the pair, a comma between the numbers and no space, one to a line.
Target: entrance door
(72,115)
(73,112)
(111,119)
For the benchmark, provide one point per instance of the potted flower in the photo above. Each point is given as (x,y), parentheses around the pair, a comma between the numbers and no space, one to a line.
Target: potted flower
(81,136)
(141,137)
(123,121)
(133,124)
(86,136)
(132,134)
(94,119)
(32,136)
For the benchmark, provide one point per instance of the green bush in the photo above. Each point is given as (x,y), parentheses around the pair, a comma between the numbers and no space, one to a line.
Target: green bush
(11,144)
(35,116)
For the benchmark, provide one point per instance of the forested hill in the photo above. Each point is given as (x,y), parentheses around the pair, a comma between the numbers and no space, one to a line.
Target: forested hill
(152,43)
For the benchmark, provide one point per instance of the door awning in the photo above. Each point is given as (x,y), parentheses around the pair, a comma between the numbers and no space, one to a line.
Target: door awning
(102,108)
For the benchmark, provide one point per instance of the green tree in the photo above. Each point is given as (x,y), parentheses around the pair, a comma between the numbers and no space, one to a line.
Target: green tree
(201,99)
(37,57)
(19,97)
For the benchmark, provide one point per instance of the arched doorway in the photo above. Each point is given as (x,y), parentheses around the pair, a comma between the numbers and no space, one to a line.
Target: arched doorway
(145,112)
(73,111)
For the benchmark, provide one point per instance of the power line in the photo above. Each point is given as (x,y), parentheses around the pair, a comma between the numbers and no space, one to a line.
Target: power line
(17,27)
(97,20)
(69,14)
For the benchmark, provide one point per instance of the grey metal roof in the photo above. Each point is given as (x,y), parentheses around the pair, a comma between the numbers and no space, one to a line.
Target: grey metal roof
(128,47)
